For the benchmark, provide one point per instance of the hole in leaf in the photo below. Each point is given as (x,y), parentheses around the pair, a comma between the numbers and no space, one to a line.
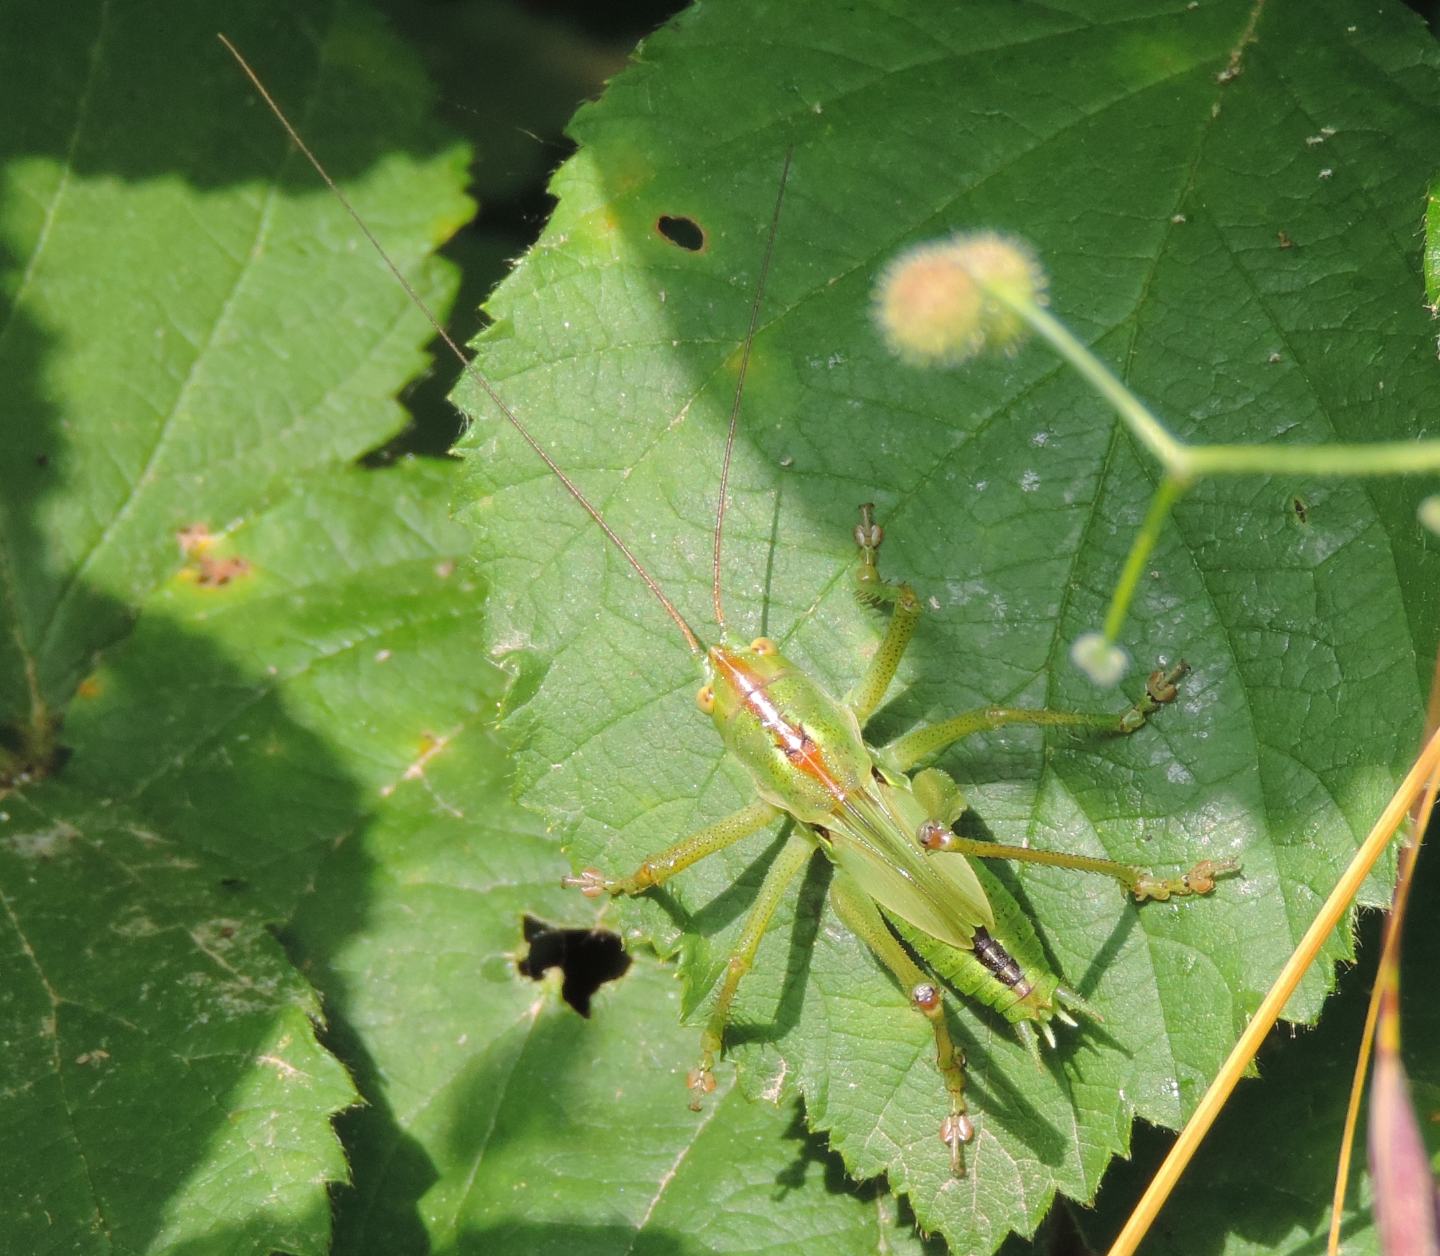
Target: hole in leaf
(588,958)
(685,232)
(30,752)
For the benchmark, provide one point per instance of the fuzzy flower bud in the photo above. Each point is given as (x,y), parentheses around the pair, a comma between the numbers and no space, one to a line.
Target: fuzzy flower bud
(946,301)
(1101,660)
(1430,512)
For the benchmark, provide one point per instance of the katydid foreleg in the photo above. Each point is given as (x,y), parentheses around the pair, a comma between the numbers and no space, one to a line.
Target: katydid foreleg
(872,589)
(905,752)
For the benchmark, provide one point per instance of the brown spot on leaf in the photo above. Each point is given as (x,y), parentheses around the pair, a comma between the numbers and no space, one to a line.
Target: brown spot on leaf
(193,539)
(206,569)
(215,573)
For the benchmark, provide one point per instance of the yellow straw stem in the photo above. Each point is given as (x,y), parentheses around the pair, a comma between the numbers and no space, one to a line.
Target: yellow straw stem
(1269,1011)
(1387,973)
(1352,1120)
(1386,980)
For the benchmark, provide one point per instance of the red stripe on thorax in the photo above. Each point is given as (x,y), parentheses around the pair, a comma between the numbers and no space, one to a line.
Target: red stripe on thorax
(790,738)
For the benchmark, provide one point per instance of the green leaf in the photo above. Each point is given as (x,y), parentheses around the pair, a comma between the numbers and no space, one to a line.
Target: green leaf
(207,381)
(237,628)
(275,709)
(1224,197)
(193,336)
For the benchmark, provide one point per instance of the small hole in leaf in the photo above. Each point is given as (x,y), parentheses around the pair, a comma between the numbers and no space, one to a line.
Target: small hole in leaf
(29,754)
(685,232)
(588,958)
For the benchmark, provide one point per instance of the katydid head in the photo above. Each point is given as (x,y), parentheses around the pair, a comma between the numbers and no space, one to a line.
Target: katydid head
(734,672)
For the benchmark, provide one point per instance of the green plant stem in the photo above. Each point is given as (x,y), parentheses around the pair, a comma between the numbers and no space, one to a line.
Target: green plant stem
(1183,463)
(1151,432)
(1400,457)
(1165,496)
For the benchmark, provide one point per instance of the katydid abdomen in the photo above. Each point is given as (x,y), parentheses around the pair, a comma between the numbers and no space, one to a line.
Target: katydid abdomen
(1004,967)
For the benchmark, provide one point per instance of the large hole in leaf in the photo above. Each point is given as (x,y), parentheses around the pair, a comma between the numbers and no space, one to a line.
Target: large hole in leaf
(588,958)
(685,232)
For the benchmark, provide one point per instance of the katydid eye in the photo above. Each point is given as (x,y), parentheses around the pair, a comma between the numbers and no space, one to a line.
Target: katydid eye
(705,698)
(763,645)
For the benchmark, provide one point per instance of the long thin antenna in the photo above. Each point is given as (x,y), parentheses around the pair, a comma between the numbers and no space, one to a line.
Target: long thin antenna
(740,390)
(466,365)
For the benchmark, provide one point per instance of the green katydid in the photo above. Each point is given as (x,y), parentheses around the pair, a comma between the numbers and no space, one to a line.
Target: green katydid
(901,871)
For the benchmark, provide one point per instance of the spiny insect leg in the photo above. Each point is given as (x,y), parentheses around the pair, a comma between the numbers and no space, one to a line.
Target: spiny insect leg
(905,752)
(793,856)
(659,868)
(860,915)
(1160,688)
(1138,881)
(1199,880)
(873,589)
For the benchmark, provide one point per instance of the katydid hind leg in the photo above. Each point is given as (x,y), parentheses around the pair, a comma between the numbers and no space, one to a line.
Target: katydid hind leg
(859,914)
(1139,882)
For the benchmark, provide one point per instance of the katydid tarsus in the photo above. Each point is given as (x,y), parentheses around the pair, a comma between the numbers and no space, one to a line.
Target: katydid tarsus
(883,820)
